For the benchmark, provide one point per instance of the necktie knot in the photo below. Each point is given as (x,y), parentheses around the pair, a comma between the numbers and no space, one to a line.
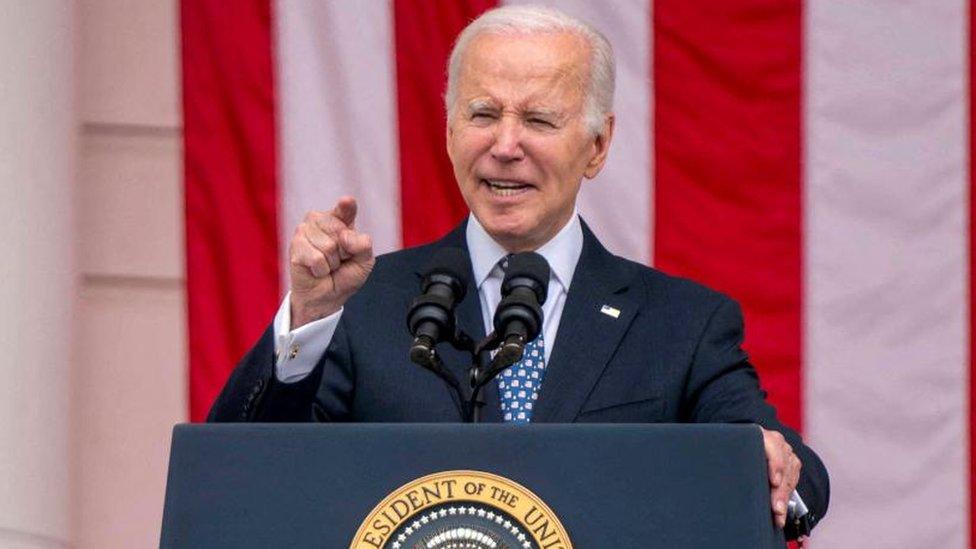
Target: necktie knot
(503,262)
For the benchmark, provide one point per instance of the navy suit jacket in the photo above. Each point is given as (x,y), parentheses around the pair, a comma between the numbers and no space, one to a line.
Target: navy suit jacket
(672,355)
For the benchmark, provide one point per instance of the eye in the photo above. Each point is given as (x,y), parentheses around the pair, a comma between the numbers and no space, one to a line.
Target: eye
(482,115)
(541,122)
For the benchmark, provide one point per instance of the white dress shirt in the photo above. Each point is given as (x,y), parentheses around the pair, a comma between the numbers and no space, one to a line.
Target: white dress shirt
(299,350)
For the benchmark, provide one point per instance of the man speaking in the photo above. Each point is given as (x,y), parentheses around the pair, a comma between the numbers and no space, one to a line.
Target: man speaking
(530,116)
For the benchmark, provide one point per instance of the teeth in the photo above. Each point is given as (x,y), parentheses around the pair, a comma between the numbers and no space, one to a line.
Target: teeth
(504,184)
(504,188)
(501,191)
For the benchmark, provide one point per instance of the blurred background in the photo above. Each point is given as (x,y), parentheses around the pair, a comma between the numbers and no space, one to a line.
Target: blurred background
(809,158)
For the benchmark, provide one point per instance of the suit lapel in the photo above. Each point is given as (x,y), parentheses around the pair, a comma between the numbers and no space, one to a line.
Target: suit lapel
(587,337)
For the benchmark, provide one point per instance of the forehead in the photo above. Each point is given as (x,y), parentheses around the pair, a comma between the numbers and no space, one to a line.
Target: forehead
(524,60)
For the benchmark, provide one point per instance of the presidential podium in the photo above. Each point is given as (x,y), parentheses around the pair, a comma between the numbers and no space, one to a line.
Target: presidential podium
(467,486)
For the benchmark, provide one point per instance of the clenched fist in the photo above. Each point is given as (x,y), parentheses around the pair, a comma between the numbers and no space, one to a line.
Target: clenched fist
(328,261)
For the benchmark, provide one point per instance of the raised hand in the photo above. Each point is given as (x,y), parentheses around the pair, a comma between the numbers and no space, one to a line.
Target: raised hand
(328,261)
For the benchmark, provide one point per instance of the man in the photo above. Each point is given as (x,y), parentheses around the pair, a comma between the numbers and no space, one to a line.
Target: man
(529,109)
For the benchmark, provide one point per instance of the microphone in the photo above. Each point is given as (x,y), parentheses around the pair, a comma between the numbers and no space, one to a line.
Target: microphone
(518,319)
(430,318)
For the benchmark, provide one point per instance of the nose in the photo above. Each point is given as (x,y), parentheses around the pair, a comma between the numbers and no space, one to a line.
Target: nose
(508,140)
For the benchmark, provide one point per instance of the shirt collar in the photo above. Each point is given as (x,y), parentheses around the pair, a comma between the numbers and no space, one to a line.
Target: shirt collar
(562,252)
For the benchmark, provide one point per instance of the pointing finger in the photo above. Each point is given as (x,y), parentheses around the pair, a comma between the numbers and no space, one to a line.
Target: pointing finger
(345,210)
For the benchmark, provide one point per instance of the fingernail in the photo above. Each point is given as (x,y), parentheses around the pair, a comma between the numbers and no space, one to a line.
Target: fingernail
(780,507)
(777,478)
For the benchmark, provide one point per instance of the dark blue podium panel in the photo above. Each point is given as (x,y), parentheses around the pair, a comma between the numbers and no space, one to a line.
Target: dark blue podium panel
(611,486)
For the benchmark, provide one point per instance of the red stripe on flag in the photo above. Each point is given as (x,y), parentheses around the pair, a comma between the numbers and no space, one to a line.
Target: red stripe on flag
(230,190)
(727,160)
(425,32)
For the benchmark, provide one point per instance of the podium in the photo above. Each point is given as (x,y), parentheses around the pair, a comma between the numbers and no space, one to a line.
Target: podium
(430,485)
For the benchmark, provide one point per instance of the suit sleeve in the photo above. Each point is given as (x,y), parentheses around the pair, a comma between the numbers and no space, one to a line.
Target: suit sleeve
(253,392)
(723,387)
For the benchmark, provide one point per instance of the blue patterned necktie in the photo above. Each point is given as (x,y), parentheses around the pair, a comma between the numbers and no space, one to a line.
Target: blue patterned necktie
(518,386)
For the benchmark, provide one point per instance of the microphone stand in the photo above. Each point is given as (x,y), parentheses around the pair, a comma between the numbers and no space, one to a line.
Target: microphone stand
(483,369)
(470,407)
(432,361)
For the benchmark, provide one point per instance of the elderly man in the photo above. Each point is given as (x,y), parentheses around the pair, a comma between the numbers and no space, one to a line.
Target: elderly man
(529,110)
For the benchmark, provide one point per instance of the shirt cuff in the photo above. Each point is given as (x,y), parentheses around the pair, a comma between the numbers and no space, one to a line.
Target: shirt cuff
(298,351)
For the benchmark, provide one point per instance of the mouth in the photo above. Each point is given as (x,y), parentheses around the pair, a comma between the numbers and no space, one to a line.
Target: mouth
(503,187)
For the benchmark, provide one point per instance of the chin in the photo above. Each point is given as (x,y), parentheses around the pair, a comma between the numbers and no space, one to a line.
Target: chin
(505,230)
(513,238)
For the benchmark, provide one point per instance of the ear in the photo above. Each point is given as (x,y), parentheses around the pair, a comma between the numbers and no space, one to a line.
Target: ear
(448,135)
(601,146)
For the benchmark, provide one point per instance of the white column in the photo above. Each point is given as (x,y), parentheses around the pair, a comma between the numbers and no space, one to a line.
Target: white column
(37,272)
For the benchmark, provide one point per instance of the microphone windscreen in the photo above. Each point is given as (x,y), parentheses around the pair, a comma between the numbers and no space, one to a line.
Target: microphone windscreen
(528,265)
(450,262)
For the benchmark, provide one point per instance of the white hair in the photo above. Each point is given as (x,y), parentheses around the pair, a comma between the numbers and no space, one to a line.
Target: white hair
(535,19)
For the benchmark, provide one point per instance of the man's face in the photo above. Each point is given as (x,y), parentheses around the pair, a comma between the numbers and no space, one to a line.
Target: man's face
(516,134)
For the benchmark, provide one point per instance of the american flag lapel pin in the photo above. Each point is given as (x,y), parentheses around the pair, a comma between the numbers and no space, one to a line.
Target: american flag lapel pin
(612,312)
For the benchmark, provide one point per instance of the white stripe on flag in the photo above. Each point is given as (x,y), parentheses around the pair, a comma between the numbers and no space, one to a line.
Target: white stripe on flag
(886,281)
(337,114)
(618,203)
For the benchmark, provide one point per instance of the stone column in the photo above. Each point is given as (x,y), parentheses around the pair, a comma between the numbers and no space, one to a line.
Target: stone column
(37,269)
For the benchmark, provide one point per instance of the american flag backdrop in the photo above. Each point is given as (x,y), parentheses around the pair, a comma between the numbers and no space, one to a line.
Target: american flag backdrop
(809,158)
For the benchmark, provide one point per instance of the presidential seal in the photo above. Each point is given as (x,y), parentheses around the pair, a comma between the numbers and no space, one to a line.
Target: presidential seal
(461,510)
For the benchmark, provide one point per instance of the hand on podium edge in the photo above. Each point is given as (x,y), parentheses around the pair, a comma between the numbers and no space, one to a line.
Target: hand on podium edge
(784,473)
(328,261)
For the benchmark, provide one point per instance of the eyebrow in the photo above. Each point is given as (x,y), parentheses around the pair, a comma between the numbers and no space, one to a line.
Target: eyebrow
(480,104)
(542,113)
